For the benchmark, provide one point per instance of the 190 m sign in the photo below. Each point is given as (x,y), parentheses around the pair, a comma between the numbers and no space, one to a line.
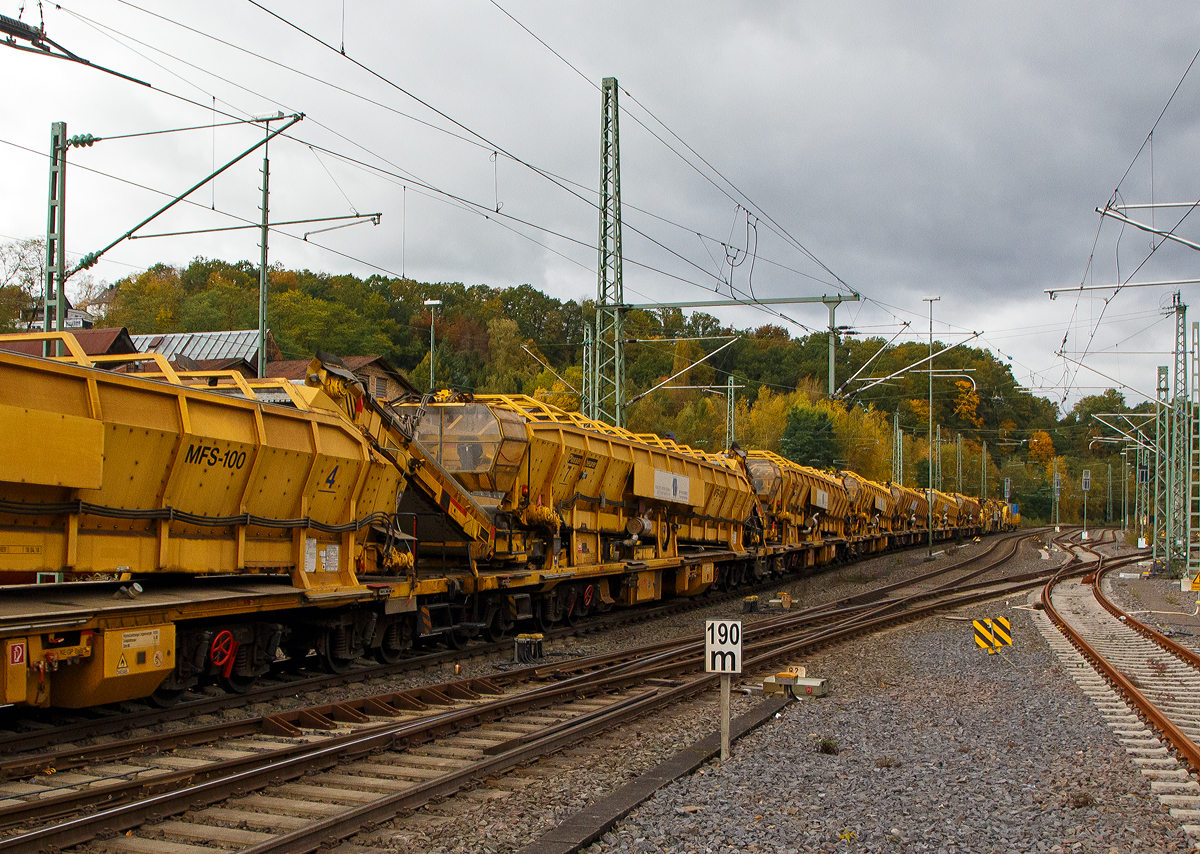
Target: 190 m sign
(723,646)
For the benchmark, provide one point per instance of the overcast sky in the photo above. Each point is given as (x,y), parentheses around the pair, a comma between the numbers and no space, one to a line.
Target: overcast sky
(923,149)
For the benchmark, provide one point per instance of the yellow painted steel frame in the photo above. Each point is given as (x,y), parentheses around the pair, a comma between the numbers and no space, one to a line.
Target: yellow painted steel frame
(812,498)
(872,506)
(606,487)
(147,450)
(912,508)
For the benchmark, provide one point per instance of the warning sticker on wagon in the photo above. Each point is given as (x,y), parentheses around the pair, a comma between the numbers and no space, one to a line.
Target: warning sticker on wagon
(139,639)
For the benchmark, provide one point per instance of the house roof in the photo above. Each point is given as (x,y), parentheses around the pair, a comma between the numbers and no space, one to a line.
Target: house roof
(234,363)
(297,369)
(95,342)
(238,343)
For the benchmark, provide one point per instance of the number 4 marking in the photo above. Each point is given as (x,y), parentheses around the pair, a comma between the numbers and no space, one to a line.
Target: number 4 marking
(329,481)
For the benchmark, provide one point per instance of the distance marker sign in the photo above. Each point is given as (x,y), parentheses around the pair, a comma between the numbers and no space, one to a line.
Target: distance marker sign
(722,646)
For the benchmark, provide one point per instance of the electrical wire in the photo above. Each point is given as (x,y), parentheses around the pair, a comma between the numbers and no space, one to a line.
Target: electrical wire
(495,147)
(781,232)
(545,173)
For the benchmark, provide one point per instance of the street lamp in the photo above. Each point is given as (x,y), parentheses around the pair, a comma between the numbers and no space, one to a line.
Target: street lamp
(931,301)
(433,304)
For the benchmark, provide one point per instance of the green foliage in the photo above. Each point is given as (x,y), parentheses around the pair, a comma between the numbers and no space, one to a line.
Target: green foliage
(808,437)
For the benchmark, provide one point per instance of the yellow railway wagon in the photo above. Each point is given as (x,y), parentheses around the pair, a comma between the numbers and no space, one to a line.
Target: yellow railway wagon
(126,484)
(590,514)
(196,525)
(809,504)
(873,511)
(912,509)
(945,510)
(970,513)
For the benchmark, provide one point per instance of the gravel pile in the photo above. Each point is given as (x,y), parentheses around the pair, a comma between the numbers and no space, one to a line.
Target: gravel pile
(938,748)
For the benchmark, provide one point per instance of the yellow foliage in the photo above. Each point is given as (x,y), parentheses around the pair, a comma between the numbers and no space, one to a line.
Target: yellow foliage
(761,425)
(966,405)
(1041,447)
(864,439)
(920,408)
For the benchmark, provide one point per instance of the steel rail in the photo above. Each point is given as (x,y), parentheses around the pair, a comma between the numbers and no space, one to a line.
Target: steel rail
(1149,632)
(1144,707)
(327,754)
(130,788)
(49,736)
(321,833)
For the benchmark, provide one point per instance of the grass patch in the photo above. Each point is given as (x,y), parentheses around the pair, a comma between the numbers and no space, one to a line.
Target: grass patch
(887,762)
(828,746)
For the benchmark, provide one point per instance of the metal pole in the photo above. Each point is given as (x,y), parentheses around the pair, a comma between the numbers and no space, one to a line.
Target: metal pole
(1125,491)
(609,383)
(958,484)
(54,279)
(1056,491)
(931,301)
(262,262)
(1108,511)
(730,414)
(938,478)
(832,305)
(587,400)
(725,680)
(983,473)
(432,305)
(897,449)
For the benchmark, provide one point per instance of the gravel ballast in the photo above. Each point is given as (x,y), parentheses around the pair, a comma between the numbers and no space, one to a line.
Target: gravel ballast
(939,748)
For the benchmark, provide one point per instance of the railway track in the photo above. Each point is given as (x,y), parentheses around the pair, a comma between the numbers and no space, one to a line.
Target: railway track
(324,774)
(26,731)
(1146,685)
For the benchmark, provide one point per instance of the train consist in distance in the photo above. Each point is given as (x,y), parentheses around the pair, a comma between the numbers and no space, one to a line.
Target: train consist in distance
(161,530)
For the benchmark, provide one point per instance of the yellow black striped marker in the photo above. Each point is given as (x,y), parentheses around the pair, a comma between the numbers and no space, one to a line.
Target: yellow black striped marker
(1001,631)
(983,635)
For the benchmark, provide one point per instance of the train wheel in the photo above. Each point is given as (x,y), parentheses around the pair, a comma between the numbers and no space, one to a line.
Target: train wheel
(387,654)
(331,661)
(454,640)
(391,649)
(237,684)
(499,628)
(543,621)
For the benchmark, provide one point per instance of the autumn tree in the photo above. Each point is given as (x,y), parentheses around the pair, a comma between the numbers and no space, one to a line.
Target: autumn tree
(966,404)
(1041,447)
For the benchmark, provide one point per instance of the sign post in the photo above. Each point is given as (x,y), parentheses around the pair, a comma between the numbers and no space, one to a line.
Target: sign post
(1057,491)
(1007,489)
(1087,485)
(723,654)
